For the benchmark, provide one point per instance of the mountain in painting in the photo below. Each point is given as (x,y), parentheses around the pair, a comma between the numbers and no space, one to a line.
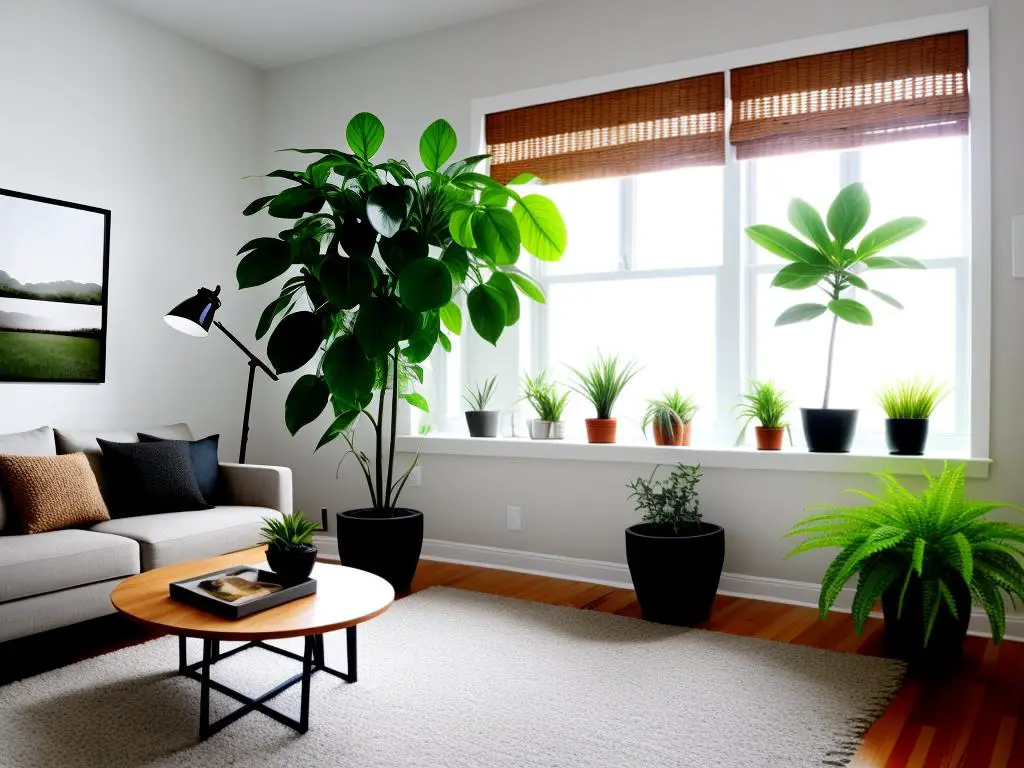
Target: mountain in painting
(58,290)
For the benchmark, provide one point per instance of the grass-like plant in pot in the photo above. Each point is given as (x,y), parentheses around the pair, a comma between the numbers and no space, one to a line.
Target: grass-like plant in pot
(766,404)
(602,383)
(824,257)
(925,555)
(675,558)
(377,260)
(549,402)
(482,422)
(671,418)
(908,406)
(290,550)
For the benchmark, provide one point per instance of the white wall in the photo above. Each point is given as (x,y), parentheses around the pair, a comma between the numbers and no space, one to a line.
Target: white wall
(579,509)
(99,108)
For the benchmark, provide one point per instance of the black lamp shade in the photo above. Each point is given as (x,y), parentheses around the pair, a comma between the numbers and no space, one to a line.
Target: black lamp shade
(194,316)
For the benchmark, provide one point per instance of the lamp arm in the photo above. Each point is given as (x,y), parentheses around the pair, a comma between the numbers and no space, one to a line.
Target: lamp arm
(255,361)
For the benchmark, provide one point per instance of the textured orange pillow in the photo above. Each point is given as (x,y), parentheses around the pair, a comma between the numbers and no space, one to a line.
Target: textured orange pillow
(52,492)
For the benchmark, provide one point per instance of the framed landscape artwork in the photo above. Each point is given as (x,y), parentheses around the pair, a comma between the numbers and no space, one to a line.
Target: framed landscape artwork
(54,259)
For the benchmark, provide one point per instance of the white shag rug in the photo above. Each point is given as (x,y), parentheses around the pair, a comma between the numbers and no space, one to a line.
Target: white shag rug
(458,679)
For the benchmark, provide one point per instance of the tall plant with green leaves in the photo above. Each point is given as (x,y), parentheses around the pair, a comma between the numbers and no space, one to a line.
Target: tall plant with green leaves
(826,259)
(765,403)
(377,256)
(544,396)
(603,381)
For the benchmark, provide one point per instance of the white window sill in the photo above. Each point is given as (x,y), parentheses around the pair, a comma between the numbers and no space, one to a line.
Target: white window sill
(789,459)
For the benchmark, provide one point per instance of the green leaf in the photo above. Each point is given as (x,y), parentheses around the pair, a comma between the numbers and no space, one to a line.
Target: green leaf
(294,202)
(495,198)
(456,259)
(294,342)
(892,262)
(346,283)
(461,227)
(446,345)
(257,205)
(416,400)
(343,421)
(365,134)
(496,233)
(851,310)
(357,238)
(437,144)
(405,247)
(886,298)
(451,316)
(855,281)
(425,284)
(350,376)
(799,275)
(528,286)
(503,284)
(422,344)
(306,401)
(273,309)
(379,326)
(849,213)
(541,227)
(268,260)
(487,312)
(800,313)
(889,233)
(807,221)
(785,245)
(388,206)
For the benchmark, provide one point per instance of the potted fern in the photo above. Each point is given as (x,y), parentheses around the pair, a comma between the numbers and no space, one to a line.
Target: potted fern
(925,556)
(602,383)
(481,422)
(549,402)
(671,417)
(290,550)
(908,406)
(675,558)
(766,404)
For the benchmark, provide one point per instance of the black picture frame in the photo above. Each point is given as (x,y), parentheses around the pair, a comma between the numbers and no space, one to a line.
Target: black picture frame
(85,363)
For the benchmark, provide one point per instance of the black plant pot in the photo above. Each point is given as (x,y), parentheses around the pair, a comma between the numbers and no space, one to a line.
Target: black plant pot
(904,633)
(829,430)
(906,437)
(388,546)
(483,423)
(675,576)
(292,565)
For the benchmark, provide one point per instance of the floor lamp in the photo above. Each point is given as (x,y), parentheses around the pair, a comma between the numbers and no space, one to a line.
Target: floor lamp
(194,316)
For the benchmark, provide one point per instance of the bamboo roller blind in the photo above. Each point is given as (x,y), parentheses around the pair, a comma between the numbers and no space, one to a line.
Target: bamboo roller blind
(635,130)
(907,89)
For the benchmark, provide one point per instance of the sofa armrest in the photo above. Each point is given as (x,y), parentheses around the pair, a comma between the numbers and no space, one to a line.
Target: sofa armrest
(253,485)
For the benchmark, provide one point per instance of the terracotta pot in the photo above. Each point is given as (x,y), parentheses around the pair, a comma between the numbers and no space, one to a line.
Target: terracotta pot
(769,438)
(601,430)
(677,435)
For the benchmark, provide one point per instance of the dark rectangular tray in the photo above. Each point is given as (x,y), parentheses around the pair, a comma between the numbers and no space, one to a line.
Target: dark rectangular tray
(186,591)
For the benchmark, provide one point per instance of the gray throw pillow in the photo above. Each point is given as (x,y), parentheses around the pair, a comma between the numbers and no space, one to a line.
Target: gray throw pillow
(150,478)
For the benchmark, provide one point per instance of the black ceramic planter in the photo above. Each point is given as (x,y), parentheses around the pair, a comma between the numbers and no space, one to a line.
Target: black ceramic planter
(292,565)
(829,430)
(906,437)
(904,633)
(483,423)
(386,546)
(675,576)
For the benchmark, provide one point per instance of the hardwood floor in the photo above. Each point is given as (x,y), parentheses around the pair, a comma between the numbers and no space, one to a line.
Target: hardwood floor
(971,719)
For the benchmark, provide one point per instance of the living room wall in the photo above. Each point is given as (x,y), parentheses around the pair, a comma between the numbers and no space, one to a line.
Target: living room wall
(578,509)
(110,111)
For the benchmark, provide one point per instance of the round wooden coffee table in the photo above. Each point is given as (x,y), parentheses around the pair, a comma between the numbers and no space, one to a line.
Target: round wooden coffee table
(345,598)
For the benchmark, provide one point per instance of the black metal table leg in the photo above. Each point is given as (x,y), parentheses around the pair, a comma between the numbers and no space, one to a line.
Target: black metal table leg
(182,655)
(350,642)
(204,689)
(307,673)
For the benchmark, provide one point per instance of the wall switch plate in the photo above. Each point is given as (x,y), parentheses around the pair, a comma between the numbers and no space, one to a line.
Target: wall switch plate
(1018,246)
(415,477)
(514,518)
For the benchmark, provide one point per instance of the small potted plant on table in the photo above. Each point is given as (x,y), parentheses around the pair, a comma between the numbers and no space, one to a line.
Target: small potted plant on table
(482,422)
(601,384)
(671,418)
(767,404)
(549,403)
(290,550)
(675,558)
(908,405)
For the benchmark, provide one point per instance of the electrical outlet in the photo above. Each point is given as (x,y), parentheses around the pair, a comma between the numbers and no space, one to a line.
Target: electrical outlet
(415,478)
(514,518)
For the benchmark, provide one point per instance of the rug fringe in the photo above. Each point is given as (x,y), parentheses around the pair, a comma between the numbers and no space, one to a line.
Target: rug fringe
(850,740)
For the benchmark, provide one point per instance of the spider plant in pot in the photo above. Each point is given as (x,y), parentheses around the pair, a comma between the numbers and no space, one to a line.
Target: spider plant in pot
(766,404)
(675,558)
(671,417)
(377,259)
(908,405)
(290,551)
(825,258)
(481,422)
(925,556)
(602,383)
(549,402)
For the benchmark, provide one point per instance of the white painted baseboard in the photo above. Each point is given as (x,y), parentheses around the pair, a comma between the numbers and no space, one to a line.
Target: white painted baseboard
(617,575)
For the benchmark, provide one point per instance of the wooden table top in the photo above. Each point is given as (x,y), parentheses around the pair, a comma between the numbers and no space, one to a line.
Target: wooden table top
(344,597)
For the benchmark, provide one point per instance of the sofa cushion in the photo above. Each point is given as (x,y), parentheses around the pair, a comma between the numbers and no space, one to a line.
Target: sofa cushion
(174,537)
(155,477)
(205,462)
(48,493)
(36,442)
(47,562)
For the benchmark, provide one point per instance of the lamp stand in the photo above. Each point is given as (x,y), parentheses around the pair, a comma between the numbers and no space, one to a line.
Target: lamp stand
(254,364)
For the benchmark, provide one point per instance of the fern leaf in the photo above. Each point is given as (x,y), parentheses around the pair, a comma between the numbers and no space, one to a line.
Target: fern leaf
(932,603)
(917,558)
(873,582)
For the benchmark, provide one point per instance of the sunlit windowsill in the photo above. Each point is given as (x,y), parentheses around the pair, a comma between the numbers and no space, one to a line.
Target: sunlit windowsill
(789,459)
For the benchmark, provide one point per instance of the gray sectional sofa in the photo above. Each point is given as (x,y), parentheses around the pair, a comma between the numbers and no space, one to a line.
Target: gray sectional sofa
(48,580)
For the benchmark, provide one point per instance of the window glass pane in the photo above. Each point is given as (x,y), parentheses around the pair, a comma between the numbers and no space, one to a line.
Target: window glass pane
(679,218)
(638,319)
(592,211)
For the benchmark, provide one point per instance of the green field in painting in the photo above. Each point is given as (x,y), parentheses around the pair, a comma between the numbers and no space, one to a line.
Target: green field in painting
(48,357)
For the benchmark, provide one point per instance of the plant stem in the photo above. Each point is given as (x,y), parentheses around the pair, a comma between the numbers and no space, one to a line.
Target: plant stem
(831,352)
(378,427)
(394,418)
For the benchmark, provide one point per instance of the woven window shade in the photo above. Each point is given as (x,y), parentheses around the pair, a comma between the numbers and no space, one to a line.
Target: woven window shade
(635,130)
(904,90)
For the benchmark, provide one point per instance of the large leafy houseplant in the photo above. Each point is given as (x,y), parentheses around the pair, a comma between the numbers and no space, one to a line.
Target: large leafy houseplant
(378,258)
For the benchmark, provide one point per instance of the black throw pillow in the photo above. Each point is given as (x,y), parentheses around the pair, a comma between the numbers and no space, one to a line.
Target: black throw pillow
(150,478)
(205,462)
